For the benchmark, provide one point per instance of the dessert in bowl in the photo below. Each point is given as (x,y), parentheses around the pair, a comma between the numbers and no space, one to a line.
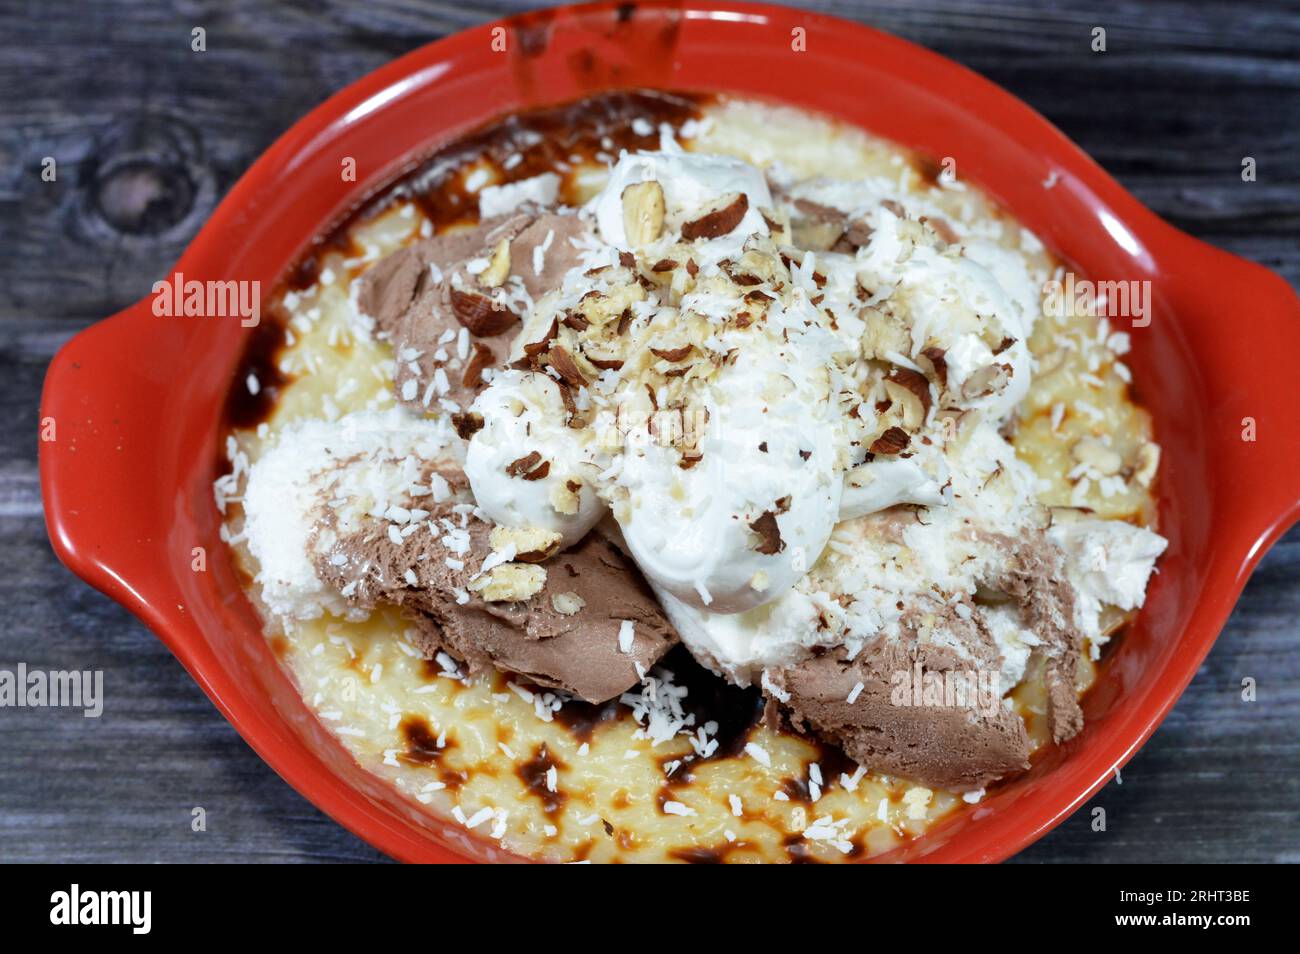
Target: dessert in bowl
(723,484)
(810,799)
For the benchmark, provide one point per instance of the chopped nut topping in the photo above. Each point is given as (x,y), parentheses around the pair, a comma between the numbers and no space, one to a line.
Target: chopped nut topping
(532,544)
(483,317)
(533,348)
(910,392)
(567,368)
(987,380)
(530,467)
(816,236)
(778,223)
(673,354)
(480,360)
(498,269)
(857,233)
(510,582)
(467,423)
(942,229)
(914,382)
(565,497)
(723,216)
(604,363)
(894,440)
(601,308)
(643,213)
(936,358)
(770,541)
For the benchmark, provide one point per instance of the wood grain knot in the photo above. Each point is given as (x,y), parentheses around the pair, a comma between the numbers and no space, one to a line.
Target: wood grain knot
(145,176)
(143,197)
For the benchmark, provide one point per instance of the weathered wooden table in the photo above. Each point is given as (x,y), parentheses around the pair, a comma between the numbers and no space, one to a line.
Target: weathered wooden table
(148,135)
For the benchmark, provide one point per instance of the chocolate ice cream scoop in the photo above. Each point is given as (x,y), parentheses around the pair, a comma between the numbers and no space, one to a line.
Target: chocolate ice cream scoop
(590,625)
(888,710)
(421,298)
(1034,577)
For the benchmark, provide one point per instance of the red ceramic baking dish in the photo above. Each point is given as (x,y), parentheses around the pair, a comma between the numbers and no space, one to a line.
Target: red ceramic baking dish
(137,399)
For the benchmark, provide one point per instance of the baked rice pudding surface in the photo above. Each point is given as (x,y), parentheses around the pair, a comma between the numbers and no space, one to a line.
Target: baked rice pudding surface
(682,769)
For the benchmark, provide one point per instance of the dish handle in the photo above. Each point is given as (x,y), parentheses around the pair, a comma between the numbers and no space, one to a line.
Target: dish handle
(1253,330)
(107,474)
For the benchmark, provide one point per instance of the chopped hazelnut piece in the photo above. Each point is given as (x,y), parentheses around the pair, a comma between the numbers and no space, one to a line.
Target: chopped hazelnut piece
(778,223)
(942,229)
(567,368)
(721,217)
(532,544)
(565,496)
(815,236)
(480,360)
(915,382)
(987,380)
(672,354)
(533,348)
(911,391)
(529,467)
(483,317)
(498,269)
(894,439)
(769,533)
(643,212)
(510,583)
(938,365)
(467,423)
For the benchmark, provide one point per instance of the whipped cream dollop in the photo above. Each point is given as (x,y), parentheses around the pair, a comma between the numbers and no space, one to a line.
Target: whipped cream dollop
(526,467)
(746,521)
(690,181)
(702,397)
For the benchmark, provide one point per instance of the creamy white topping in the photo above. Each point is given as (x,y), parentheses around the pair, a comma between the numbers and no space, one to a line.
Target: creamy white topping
(499,200)
(1108,561)
(523,413)
(689,181)
(769,448)
(741,407)
(747,518)
(366,462)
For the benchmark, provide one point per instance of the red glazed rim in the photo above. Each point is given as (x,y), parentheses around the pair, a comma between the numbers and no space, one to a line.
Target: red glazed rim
(136,400)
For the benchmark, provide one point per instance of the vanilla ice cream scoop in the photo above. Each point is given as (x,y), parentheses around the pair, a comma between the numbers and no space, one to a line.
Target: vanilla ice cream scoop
(748,519)
(527,468)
